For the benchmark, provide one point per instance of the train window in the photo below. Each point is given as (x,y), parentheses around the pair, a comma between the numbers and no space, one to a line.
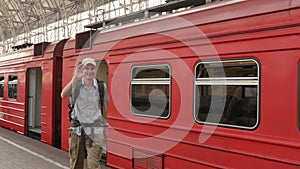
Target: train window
(226,93)
(12,86)
(1,86)
(150,91)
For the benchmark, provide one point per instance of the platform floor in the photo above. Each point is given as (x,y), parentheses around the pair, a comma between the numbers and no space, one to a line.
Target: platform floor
(19,151)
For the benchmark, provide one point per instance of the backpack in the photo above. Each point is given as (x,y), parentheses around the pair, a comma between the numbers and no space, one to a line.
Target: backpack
(75,122)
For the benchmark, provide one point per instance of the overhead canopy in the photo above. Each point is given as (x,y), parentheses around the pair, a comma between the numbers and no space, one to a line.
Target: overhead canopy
(21,16)
(24,20)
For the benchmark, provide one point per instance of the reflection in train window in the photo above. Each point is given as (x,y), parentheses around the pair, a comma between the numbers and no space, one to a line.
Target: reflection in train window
(1,86)
(226,93)
(12,86)
(150,91)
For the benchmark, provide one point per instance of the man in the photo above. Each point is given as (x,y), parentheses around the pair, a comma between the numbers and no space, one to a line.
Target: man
(87,115)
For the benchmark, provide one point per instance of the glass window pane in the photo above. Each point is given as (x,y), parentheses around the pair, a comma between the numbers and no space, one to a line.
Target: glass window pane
(228,69)
(1,86)
(231,107)
(150,91)
(151,100)
(226,93)
(12,86)
(150,72)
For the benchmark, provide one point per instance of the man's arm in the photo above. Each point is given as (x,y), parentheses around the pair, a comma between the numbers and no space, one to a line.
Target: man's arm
(66,92)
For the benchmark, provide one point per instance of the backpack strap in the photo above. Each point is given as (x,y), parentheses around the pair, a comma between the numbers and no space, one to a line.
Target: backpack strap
(73,99)
(77,91)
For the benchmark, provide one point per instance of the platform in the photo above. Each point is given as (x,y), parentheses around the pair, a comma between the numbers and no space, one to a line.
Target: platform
(19,151)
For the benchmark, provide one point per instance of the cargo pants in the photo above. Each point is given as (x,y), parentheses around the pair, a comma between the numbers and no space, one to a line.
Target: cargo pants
(77,151)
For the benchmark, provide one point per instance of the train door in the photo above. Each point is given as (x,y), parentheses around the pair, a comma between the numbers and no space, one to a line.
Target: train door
(34,103)
(102,74)
(57,103)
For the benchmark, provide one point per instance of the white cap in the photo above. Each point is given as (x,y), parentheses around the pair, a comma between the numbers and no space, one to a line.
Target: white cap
(86,61)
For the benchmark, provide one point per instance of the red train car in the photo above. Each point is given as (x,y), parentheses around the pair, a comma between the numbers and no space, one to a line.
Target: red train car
(215,86)
(30,83)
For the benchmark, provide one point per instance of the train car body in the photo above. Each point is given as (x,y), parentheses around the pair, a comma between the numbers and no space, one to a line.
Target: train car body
(30,101)
(215,86)
(165,110)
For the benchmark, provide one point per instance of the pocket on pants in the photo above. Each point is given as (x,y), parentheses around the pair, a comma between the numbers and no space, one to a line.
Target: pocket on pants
(73,145)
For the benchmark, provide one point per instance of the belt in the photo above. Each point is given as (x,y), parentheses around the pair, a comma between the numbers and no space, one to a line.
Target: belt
(96,123)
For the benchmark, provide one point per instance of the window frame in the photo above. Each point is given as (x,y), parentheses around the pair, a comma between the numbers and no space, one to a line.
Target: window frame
(241,81)
(151,81)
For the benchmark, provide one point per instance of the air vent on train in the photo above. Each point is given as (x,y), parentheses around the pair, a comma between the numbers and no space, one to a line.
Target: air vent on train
(84,40)
(144,159)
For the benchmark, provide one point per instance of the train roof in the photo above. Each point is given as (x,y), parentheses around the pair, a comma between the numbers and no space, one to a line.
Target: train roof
(17,54)
(221,11)
(171,15)
(133,25)
(252,7)
(40,51)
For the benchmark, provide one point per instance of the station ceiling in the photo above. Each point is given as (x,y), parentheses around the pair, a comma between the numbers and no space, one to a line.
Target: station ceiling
(21,16)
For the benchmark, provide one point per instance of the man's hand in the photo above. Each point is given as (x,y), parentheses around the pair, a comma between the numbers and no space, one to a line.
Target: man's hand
(78,74)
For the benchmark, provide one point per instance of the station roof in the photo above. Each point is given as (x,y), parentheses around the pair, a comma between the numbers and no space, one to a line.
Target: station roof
(169,6)
(19,16)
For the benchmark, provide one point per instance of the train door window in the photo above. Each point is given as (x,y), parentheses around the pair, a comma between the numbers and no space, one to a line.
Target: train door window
(226,93)
(1,86)
(12,86)
(150,91)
